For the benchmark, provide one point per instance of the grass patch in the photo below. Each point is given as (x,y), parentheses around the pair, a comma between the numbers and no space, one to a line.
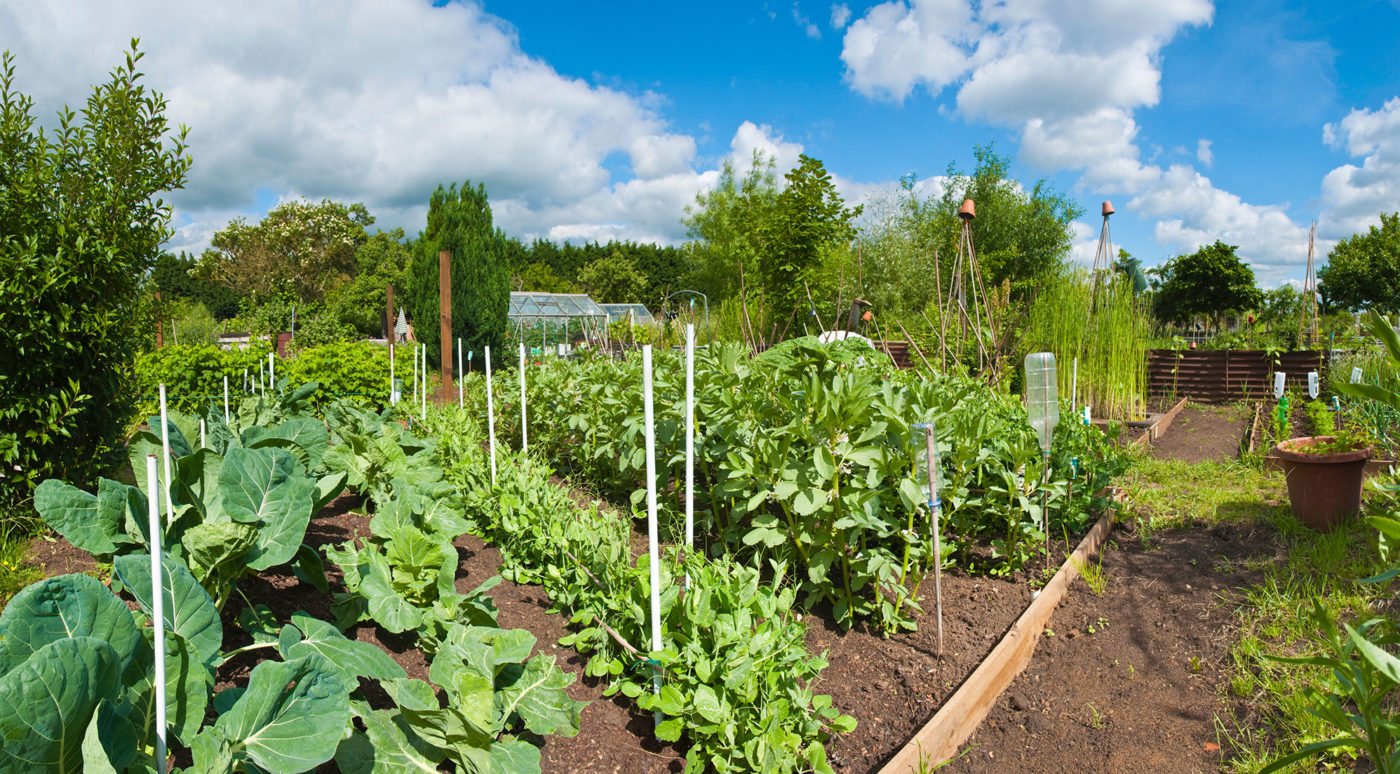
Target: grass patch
(15,570)
(1170,494)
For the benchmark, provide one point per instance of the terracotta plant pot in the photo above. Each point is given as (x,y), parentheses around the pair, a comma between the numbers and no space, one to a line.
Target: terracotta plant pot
(1323,488)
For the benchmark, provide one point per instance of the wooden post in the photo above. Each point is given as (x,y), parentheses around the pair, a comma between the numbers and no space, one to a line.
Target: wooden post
(445,316)
(389,318)
(160,325)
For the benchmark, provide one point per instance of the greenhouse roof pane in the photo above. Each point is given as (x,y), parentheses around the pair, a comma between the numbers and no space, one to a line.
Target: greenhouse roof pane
(619,312)
(557,305)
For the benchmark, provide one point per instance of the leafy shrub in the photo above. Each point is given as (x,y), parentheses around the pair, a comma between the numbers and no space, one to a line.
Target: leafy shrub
(80,225)
(193,375)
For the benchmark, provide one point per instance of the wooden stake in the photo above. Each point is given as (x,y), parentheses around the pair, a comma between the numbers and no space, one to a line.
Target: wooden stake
(445,323)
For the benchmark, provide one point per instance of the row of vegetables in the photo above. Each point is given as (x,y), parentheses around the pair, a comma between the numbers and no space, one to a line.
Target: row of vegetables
(807,458)
(807,492)
(76,662)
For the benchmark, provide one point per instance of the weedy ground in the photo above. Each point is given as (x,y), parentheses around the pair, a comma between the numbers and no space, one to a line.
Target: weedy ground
(1267,716)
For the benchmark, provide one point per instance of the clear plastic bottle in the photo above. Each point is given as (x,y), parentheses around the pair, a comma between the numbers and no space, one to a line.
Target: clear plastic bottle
(1042,396)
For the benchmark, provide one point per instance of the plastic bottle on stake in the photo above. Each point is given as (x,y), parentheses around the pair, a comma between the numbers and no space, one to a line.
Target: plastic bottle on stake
(1043,406)
(1312,385)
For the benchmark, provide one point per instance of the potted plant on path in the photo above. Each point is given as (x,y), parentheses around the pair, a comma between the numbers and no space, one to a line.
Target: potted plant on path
(1325,473)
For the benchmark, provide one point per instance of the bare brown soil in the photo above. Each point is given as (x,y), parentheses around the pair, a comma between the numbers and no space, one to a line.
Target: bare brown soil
(1203,432)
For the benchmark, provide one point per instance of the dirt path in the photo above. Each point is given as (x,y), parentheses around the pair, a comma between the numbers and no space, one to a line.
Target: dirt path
(1203,432)
(1129,680)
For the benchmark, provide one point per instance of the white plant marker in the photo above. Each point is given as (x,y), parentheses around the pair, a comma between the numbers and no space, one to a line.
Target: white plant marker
(490,416)
(1279,377)
(226,418)
(157,607)
(461,372)
(271,372)
(165,444)
(262,368)
(414,358)
(1355,375)
(524,438)
(245,381)
(689,441)
(652,539)
(424,415)
(203,436)
(393,396)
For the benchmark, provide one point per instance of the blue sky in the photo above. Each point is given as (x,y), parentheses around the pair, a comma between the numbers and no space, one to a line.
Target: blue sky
(1242,121)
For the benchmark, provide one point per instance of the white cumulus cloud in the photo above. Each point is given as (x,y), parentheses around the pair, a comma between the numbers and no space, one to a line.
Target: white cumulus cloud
(1355,196)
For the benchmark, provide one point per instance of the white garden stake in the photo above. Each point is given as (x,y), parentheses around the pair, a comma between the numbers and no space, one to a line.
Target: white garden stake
(689,441)
(262,368)
(490,415)
(1074,386)
(652,539)
(271,372)
(203,437)
(165,444)
(157,607)
(393,395)
(524,439)
(414,358)
(424,415)
(1279,378)
(1312,385)
(226,419)
(930,471)
(245,381)
(1356,375)
(461,372)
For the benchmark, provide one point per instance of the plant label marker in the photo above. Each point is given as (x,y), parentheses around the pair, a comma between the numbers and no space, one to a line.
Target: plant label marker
(689,442)
(272,371)
(424,415)
(1043,406)
(261,369)
(203,437)
(524,438)
(225,398)
(652,539)
(490,415)
(1312,385)
(393,394)
(461,372)
(1279,377)
(930,471)
(157,607)
(165,446)
(245,381)
(1074,385)
(1356,375)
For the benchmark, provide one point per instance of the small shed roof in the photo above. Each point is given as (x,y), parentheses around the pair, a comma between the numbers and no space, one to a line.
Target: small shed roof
(553,306)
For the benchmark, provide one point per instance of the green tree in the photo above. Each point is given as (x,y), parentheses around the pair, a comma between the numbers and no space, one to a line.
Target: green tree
(540,278)
(725,225)
(177,277)
(808,218)
(359,302)
(1210,281)
(1363,270)
(613,279)
(459,221)
(81,224)
(298,250)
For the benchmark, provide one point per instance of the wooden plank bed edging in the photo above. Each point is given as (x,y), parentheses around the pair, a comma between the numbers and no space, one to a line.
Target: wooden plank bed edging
(958,718)
(1161,425)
